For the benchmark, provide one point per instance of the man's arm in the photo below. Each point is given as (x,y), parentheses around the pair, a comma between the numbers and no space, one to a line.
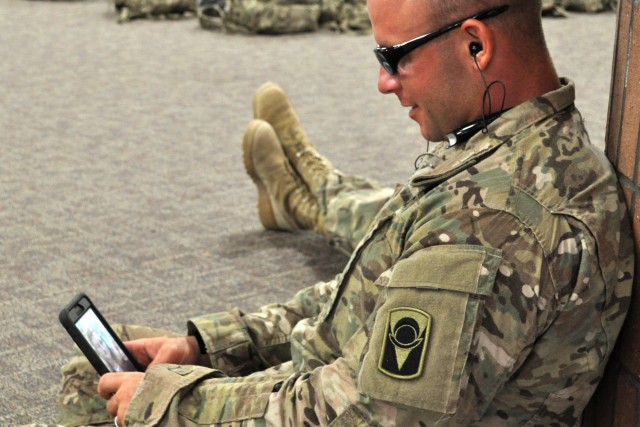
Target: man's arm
(339,390)
(239,343)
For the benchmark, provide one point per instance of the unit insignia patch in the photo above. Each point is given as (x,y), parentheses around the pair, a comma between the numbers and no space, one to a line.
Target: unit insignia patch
(405,343)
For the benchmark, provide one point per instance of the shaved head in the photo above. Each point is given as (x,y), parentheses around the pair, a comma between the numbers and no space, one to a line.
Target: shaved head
(522,22)
(456,9)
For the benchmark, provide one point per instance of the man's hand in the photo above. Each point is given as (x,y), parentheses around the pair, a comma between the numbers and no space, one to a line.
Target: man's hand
(180,351)
(119,388)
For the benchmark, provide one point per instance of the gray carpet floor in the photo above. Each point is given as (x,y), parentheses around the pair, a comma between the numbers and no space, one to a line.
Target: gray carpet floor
(121,172)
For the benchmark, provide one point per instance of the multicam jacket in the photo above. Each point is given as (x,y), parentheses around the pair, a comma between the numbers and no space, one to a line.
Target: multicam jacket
(489,291)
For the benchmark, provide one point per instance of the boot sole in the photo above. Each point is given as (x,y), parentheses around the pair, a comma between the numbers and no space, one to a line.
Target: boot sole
(265,210)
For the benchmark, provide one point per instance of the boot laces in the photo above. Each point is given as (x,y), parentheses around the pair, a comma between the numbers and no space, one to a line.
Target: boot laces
(299,203)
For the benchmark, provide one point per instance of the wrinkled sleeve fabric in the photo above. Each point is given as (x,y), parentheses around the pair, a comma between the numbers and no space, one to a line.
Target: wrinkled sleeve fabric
(239,343)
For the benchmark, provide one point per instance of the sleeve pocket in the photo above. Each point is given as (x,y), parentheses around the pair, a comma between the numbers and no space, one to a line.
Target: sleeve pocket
(424,326)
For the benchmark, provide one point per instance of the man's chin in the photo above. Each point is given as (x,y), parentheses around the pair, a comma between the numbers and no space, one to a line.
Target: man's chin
(428,132)
(429,135)
(424,130)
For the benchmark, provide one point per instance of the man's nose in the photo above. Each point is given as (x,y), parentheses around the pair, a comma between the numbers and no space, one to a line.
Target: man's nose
(387,83)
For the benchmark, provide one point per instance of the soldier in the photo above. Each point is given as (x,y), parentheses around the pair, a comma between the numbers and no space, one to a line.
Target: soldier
(488,290)
(283,16)
(160,9)
(557,8)
(590,6)
(254,16)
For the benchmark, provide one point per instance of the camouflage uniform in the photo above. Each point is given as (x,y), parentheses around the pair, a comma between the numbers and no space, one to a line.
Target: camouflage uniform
(255,16)
(287,16)
(133,9)
(488,291)
(591,6)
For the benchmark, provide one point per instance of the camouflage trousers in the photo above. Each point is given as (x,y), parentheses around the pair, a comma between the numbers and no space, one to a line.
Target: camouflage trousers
(591,6)
(133,9)
(350,204)
(257,16)
(290,16)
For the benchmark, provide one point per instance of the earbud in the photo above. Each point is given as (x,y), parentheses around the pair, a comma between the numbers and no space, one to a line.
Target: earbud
(474,48)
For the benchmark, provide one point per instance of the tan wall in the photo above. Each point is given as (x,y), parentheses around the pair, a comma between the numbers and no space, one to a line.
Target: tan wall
(617,401)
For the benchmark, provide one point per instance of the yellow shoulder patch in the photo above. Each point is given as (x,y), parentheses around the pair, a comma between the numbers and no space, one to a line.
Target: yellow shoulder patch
(405,343)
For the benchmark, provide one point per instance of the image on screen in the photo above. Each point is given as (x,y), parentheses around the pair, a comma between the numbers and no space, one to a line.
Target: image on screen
(103,343)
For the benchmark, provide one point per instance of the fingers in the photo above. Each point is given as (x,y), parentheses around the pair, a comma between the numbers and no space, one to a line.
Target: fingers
(109,384)
(119,389)
(176,350)
(152,351)
(112,408)
(142,350)
(107,388)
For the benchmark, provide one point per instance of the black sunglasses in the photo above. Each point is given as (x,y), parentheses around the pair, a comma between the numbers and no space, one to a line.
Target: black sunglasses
(389,57)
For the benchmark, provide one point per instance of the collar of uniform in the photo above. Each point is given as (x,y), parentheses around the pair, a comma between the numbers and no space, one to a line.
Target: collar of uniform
(462,156)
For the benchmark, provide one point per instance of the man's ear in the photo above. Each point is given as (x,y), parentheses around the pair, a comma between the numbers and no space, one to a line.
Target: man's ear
(479,42)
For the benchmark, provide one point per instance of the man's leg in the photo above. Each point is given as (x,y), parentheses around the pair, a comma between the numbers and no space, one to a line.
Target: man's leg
(591,6)
(80,404)
(342,206)
(133,9)
(552,8)
(284,201)
(259,16)
(346,15)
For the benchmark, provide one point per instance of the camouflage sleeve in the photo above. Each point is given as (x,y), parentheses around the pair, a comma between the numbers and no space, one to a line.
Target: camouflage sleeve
(173,395)
(362,387)
(239,343)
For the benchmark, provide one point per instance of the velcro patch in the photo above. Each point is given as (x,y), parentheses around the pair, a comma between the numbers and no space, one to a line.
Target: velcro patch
(405,343)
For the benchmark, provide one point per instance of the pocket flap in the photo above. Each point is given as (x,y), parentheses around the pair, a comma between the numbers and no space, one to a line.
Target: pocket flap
(460,268)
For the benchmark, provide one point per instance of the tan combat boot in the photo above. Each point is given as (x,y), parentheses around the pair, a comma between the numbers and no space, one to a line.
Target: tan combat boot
(271,103)
(284,201)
